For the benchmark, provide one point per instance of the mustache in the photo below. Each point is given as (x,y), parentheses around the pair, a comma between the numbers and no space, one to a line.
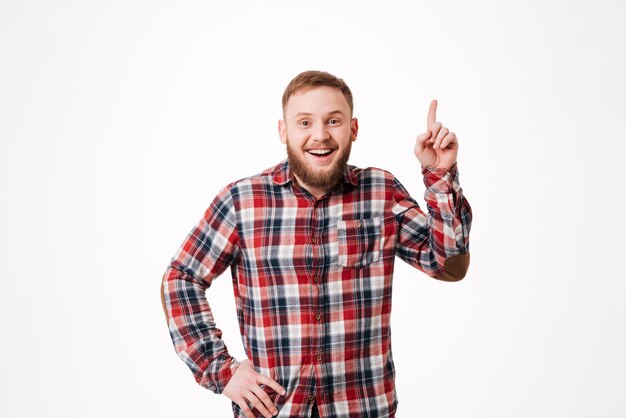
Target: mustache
(322,144)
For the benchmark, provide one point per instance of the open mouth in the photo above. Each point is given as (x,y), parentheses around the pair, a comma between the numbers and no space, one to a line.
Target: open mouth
(321,154)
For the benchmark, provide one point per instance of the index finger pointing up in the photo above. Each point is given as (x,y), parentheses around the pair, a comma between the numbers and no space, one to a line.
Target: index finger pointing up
(432,114)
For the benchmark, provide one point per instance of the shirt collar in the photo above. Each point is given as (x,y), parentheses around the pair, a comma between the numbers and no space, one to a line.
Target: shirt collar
(282,174)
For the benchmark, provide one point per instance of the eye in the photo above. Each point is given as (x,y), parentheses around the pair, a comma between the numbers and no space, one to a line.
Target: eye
(304,123)
(333,122)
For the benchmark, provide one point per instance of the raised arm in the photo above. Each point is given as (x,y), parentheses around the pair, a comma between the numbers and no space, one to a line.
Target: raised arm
(438,242)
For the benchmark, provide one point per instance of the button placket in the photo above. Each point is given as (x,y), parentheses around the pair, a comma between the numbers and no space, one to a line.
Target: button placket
(318,225)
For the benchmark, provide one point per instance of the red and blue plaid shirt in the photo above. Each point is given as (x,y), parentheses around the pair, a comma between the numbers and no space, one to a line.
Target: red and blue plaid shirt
(312,280)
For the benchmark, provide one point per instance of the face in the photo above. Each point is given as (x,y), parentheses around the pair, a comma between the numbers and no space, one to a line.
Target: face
(318,130)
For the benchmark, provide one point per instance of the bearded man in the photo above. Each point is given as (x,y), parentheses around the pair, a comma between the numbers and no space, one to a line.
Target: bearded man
(311,244)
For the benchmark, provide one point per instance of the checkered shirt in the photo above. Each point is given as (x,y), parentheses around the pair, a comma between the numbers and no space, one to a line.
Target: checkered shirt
(312,280)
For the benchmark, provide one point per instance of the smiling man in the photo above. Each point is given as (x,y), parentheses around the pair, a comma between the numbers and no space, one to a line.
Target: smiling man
(318,129)
(311,244)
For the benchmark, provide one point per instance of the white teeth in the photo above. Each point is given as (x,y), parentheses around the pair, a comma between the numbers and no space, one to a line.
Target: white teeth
(320,151)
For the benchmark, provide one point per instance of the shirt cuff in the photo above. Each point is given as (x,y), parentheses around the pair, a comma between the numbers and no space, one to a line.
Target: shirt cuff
(440,180)
(217,381)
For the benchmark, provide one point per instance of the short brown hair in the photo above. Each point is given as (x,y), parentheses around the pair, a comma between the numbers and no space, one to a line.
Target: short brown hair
(309,79)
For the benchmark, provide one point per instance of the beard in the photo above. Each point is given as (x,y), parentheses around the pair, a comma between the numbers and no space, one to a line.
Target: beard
(324,179)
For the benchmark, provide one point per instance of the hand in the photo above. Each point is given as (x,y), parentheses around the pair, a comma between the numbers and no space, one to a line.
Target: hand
(243,387)
(437,147)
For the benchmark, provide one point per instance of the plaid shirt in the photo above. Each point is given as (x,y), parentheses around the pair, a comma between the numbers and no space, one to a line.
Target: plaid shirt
(312,280)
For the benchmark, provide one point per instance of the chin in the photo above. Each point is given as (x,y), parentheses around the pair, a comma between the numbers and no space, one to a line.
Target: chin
(325,176)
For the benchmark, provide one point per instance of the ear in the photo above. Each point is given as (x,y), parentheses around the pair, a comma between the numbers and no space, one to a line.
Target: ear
(282,131)
(354,129)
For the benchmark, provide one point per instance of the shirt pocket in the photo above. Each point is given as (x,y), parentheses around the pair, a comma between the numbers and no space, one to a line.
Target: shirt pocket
(358,242)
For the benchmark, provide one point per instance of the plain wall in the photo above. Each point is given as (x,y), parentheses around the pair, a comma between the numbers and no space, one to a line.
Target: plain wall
(120,121)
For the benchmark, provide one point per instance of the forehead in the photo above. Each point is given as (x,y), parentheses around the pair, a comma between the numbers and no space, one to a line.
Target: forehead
(317,101)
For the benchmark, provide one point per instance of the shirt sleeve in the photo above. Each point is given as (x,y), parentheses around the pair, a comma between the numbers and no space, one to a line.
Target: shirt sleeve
(438,242)
(210,247)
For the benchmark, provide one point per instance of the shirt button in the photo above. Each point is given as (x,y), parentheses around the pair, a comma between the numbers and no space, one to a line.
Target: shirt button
(311,397)
(319,357)
(358,224)
(316,279)
(318,317)
(314,240)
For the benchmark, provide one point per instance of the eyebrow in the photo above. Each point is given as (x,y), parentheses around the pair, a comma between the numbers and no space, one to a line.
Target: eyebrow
(334,112)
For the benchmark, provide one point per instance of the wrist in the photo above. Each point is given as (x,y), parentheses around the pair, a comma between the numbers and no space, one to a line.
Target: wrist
(426,168)
(234,365)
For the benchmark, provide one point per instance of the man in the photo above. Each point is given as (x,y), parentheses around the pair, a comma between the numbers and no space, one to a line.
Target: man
(311,244)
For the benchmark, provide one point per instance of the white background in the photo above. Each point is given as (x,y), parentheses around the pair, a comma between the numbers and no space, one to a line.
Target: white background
(121,120)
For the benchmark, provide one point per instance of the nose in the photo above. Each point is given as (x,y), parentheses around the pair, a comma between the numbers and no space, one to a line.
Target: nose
(321,132)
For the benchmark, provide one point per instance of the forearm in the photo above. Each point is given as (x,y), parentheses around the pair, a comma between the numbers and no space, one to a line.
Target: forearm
(195,336)
(436,242)
(450,218)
